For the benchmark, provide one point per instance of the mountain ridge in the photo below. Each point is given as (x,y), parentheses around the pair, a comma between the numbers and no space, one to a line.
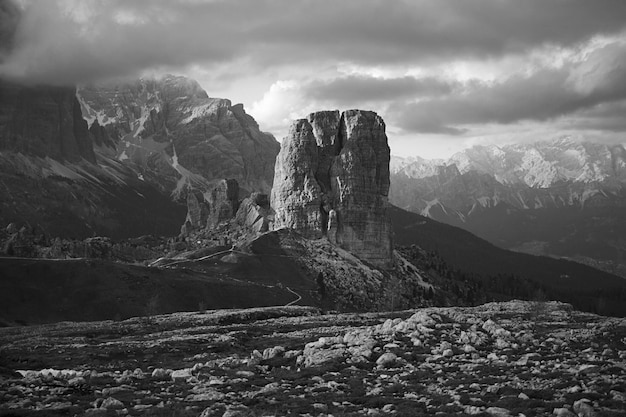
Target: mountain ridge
(562,198)
(170,125)
(540,164)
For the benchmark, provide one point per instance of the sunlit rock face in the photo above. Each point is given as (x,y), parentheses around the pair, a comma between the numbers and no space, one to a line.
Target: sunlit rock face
(170,126)
(332,174)
(254,213)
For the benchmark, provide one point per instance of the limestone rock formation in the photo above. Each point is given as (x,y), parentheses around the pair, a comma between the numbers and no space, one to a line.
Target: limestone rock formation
(207,210)
(332,178)
(197,213)
(223,202)
(254,213)
(296,195)
(171,127)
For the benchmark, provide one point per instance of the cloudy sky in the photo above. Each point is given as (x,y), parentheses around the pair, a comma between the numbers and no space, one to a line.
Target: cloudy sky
(444,74)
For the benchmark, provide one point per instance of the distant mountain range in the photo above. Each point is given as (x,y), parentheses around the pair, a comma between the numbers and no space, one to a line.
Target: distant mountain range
(563,198)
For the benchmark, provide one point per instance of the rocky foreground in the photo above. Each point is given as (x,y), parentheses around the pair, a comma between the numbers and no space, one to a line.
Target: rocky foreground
(498,359)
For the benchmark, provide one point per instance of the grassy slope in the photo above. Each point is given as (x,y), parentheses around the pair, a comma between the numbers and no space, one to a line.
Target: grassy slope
(41,291)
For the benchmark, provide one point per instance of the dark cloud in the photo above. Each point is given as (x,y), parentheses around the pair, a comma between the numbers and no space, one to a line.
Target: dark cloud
(358,89)
(605,116)
(120,37)
(373,31)
(9,20)
(545,95)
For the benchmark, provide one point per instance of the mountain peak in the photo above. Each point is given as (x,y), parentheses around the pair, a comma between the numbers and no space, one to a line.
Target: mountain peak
(169,124)
(542,164)
(180,86)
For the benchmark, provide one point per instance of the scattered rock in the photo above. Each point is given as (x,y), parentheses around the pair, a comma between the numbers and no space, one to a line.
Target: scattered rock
(371,357)
(181,374)
(563,412)
(160,373)
(583,408)
(273,352)
(387,360)
(238,411)
(112,403)
(588,369)
(498,412)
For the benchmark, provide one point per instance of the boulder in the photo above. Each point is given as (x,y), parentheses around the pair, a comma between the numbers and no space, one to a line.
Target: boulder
(181,374)
(112,404)
(387,360)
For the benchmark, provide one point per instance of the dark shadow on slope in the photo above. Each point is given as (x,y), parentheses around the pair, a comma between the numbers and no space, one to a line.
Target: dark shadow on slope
(45,291)
(268,260)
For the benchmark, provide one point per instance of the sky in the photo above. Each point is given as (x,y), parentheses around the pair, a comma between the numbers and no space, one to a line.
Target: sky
(444,74)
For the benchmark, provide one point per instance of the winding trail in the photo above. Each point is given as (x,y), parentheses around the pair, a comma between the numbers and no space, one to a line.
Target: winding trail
(204,258)
(294,293)
(231,250)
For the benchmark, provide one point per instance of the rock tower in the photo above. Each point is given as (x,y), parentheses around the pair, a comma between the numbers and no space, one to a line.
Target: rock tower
(332,179)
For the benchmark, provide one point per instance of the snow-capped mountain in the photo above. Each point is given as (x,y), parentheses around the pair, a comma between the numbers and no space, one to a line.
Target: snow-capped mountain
(414,166)
(564,197)
(543,164)
(558,173)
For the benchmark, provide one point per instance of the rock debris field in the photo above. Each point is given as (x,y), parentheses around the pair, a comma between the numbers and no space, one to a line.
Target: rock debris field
(499,359)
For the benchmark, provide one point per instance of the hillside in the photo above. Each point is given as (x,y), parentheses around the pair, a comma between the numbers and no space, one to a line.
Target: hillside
(586,287)
(275,268)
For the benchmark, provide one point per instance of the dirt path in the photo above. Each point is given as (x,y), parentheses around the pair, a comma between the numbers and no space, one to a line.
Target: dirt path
(294,293)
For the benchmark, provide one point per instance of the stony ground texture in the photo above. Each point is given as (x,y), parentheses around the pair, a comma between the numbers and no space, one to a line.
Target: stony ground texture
(500,359)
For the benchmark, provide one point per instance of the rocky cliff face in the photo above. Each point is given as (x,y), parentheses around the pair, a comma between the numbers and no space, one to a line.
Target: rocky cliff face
(332,179)
(223,202)
(171,127)
(208,210)
(43,122)
(54,179)
(254,213)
